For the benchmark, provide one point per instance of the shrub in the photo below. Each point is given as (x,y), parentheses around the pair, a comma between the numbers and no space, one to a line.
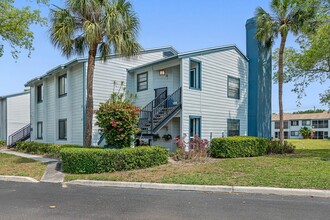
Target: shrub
(240,146)
(276,148)
(197,149)
(305,132)
(52,150)
(118,118)
(89,160)
(2,143)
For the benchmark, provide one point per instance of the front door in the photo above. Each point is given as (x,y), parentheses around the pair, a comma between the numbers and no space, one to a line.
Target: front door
(160,95)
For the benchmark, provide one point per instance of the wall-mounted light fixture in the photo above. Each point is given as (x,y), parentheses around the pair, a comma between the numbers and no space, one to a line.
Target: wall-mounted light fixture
(162,72)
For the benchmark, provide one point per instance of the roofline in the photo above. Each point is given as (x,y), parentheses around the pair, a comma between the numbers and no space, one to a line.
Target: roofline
(163,60)
(190,54)
(213,50)
(15,94)
(84,59)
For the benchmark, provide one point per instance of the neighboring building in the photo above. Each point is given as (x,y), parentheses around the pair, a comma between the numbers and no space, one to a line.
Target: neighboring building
(202,92)
(318,122)
(14,116)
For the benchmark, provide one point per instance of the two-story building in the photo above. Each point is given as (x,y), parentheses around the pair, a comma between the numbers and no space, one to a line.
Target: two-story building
(318,122)
(213,92)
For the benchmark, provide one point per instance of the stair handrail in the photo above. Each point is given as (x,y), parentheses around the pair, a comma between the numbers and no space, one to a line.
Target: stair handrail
(23,133)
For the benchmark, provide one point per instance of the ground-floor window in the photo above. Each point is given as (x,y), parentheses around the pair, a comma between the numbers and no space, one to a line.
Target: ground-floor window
(233,126)
(62,129)
(286,134)
(39,130)
(294,133)
(194,126)
(320,135)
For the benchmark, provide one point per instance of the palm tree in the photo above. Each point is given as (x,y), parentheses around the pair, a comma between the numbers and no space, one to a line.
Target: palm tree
(99,27)
(287,16)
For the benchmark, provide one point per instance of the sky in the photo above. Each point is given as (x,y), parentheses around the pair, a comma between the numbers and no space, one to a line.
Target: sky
(184,24)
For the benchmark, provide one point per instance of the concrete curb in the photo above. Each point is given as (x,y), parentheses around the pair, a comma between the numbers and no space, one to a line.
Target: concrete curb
(22,179)
(205,188)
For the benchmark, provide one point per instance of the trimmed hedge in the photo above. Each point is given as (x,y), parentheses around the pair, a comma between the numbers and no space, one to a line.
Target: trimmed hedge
(89,160)
(240,146)
(52,150)
(2,143)
(276,148)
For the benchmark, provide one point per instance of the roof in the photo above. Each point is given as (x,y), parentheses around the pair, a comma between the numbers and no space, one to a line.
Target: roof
(290,116)
(192,53)
(84,59)
(15,94)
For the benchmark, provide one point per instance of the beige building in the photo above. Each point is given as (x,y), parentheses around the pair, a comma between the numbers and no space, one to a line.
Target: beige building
(318,122)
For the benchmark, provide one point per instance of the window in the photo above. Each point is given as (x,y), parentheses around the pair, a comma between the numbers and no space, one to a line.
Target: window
(233,126)
(194,126)
(142,81)
(320,123)
(294,123)
(277,124)
(40,93)
(294,133)
(286,134)
(39,130)
(195,75)
(233,87)
(62,129)
(62,86)
(320,135)
(306,122)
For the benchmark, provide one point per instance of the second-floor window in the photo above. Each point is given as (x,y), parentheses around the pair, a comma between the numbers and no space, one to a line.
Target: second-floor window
(294,123)
(320,124)
(233,90)
(62,85)
(142,81)
(195,75)
(277,125)
(40,93)
(306,122)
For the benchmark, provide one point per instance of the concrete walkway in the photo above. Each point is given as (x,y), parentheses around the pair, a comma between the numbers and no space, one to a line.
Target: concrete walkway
(53,172)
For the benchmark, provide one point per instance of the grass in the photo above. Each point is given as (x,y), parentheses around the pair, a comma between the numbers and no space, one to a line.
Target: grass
(308,167)
(11,165)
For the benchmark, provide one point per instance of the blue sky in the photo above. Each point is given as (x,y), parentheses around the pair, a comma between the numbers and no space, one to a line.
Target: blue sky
(185,24)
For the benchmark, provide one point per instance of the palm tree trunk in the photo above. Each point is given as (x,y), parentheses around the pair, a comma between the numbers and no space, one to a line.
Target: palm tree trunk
(280,85)
(89,102)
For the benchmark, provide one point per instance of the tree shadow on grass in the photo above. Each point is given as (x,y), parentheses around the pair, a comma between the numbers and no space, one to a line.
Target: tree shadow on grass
(21,160)
(323,154)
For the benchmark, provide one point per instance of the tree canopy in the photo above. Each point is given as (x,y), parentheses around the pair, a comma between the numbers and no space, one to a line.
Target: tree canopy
(311,62)
(15,26)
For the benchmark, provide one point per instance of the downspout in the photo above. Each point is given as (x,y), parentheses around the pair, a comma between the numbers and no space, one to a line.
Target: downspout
(84,101)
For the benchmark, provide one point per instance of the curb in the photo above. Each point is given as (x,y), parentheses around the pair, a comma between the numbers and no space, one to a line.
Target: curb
(205,188)
(22,179)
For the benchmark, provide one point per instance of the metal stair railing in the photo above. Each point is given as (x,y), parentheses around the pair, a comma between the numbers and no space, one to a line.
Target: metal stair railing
(20,135)
(152,117)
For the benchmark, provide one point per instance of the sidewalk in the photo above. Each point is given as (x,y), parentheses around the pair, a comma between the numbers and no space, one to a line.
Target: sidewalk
(52,174)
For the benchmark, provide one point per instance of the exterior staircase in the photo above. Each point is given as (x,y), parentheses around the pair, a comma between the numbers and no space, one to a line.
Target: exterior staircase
(158,113)
(21,135)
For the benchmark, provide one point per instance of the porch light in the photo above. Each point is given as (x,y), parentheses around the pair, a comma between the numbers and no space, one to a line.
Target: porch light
(162,72)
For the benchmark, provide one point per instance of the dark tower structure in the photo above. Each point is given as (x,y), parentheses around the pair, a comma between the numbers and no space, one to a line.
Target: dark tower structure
(260,84)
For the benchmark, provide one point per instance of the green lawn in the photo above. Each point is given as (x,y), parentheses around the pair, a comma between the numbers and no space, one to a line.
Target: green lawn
(11,165)
(308,167)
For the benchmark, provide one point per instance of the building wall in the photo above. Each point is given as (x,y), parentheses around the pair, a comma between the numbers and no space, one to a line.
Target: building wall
(171,80)
(115,70)
(211,102)
(3,119)
(53,107)
(18,112)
